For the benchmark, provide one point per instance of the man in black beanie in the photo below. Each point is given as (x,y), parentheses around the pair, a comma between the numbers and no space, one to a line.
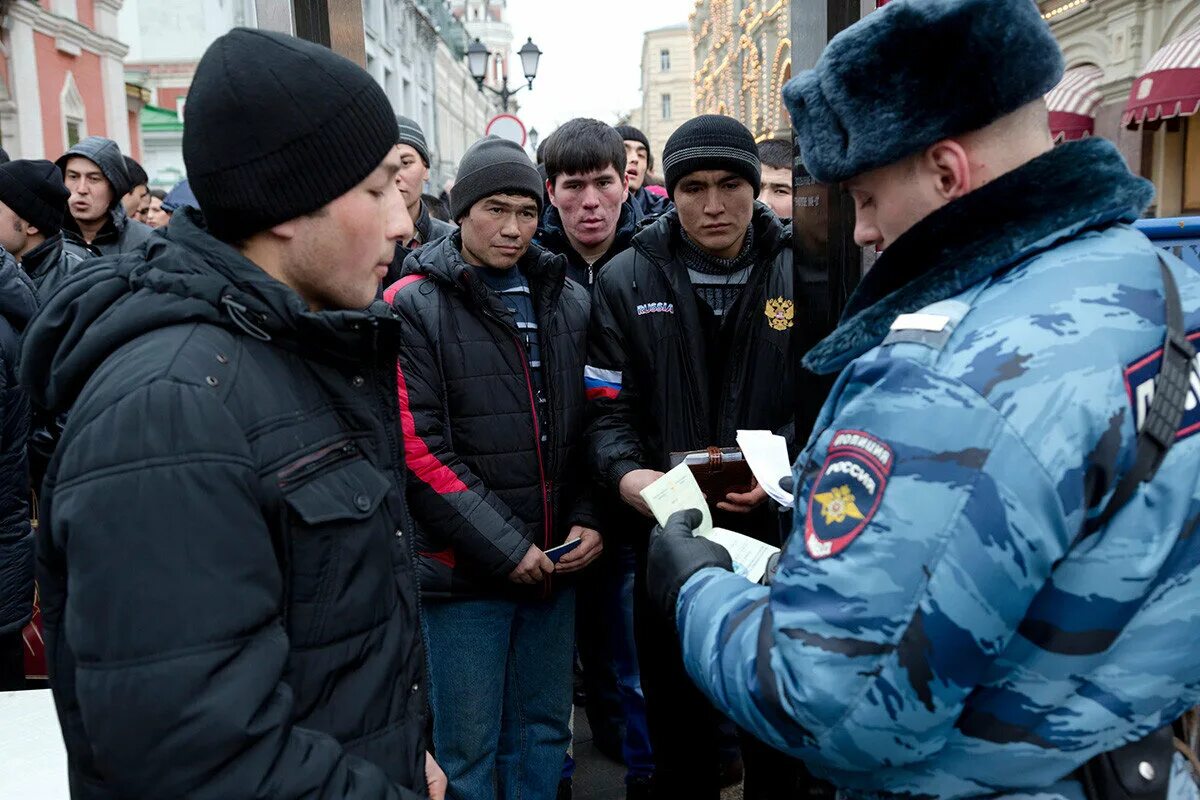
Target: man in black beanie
(493,349)
(690,341)
(639,163)
(229,600)
(33,202)
(136,201)
(414,173)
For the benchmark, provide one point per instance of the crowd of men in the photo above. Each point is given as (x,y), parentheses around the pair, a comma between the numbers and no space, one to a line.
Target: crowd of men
(339,483)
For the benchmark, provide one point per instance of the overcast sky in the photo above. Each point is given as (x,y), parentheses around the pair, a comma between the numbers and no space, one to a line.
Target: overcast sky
(592,50)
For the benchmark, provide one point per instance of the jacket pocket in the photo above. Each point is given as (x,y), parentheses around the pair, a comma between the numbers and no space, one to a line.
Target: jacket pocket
(334,533)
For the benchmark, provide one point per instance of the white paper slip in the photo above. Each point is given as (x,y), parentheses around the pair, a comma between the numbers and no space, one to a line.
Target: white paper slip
(677,491)
(767,455)
(749,556)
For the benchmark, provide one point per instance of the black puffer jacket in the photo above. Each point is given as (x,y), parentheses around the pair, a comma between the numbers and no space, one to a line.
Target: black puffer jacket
(229,601)
(648,379)
(52,262)
(17,306)
(485,489)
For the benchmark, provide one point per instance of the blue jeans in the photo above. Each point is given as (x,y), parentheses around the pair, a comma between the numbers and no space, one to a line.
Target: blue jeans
(639,759)
(500,678)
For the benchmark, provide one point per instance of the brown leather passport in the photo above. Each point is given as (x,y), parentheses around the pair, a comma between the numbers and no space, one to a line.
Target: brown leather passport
(718,470)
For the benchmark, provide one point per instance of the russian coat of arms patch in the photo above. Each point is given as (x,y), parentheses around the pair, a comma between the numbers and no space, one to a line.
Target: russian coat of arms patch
(846,493)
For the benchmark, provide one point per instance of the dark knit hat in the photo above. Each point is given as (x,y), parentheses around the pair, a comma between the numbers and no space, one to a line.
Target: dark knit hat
(35,192)
(137,175)
(493,166)
(632,134)
(412,135)
(278,127)
(916,72)
(711,141)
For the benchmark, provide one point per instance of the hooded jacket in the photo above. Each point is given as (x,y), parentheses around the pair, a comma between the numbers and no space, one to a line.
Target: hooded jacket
(648,381)
(228,596)
(485,485)
(552,236)
(949,619)
(647,205)
(120,234)
(17,307)
(429,228)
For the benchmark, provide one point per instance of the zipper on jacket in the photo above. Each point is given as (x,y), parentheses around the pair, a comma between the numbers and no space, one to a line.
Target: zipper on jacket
(317,462)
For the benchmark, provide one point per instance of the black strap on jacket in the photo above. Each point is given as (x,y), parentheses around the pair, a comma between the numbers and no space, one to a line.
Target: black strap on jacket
(1166,407)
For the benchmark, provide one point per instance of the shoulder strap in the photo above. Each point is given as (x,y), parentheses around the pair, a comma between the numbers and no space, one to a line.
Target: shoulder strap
(1166,408)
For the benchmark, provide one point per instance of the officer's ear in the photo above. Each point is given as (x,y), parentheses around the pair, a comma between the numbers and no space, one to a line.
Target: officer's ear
(949,167)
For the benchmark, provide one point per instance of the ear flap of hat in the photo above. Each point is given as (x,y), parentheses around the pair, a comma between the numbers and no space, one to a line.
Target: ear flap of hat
(817,124)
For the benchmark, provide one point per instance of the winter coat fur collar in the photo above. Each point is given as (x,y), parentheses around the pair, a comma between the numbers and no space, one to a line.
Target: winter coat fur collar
(1075,187)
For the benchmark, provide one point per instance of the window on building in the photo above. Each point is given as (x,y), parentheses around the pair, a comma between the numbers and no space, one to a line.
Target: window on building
(74,114)
(406,98)
(391,86)
(664,60)
(666,106)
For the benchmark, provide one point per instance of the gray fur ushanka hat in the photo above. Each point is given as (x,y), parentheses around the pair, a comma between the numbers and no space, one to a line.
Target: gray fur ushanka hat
(916,72)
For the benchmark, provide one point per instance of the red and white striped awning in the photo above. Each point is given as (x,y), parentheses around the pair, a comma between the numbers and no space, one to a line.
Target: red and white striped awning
(1073,103)
(1169,86)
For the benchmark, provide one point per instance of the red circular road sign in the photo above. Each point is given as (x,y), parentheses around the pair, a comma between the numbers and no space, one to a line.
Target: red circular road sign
(507,126)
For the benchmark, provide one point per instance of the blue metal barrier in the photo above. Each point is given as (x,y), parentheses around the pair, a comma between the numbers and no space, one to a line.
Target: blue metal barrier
(1179,235)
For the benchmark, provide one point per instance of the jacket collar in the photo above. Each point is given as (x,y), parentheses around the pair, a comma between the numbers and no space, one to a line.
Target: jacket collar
(41,259)
(443,262)
(1074,187)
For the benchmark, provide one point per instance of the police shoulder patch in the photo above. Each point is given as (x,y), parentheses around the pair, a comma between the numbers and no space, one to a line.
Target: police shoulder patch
(1141,377)
(846,492)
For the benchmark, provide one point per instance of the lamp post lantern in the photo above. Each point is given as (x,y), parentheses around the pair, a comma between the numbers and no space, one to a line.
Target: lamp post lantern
(478,57)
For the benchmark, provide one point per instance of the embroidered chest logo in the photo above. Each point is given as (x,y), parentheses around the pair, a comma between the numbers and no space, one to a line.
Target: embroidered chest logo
(655,308)
(780,313)
(846,492)
(837,505)
(1141,377)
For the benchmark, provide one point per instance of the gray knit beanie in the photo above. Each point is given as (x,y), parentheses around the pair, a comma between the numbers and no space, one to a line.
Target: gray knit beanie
(412,135)
(493,166)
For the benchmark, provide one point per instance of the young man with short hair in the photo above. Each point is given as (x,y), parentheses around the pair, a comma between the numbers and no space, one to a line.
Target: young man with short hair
(588,220)
(136,201)
(229,599)
(691,341)
(639,163)
(33,203)
(490,380)
(414,173)
(776,159)
(994,553)
(94,172)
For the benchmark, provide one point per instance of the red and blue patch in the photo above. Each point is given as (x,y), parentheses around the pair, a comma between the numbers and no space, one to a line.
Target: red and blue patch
(601,384)
(1140,378)
(846,493)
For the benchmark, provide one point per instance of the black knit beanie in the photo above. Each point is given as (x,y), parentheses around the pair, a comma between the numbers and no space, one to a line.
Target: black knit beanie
(493,166)
(278,127)
(412,135)
(632,134)
(708,142)
(35,192)
(137,175)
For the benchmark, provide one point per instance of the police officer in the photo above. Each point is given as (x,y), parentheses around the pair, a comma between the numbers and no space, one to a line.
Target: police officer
(992,583)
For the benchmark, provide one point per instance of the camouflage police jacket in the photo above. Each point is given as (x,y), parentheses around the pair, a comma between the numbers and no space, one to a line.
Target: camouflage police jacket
(944,621)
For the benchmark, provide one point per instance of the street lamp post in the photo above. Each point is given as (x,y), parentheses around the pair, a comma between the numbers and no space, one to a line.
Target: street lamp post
(478,57)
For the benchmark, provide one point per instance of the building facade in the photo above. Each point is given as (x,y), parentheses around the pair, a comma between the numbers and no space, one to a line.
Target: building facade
(166,39)
(1133,76)
(668,86)
(743,56)
(61,78)
(485,20)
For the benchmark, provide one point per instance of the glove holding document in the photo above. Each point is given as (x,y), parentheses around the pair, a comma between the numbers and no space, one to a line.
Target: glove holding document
(679,491)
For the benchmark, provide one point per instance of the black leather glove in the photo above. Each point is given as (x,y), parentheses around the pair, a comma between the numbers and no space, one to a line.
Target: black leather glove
(675,555)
